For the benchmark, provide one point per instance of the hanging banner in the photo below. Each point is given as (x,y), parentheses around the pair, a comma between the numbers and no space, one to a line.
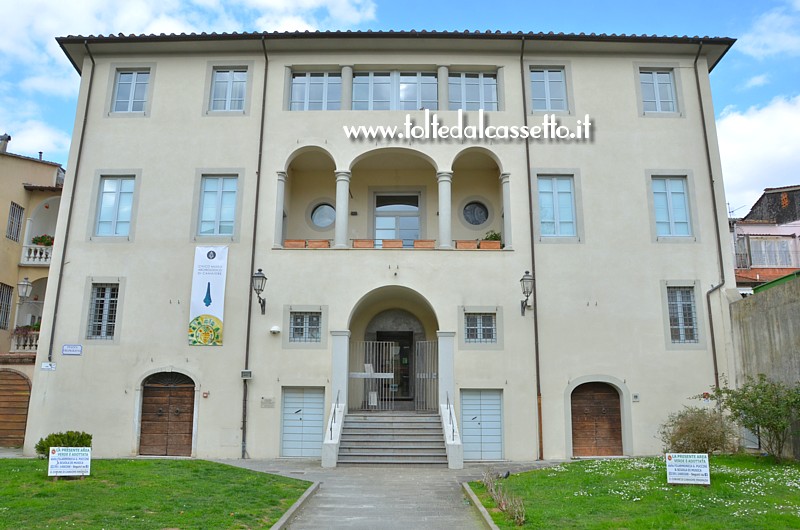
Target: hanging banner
(208,296)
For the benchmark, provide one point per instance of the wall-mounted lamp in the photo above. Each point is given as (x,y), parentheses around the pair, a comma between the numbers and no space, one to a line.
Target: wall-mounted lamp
(24,288)
(258,282)
(526,282)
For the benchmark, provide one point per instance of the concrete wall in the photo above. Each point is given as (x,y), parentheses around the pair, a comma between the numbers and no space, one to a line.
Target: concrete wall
(767,332)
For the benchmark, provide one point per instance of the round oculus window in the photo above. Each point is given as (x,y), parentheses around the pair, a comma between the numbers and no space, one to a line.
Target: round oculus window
(323,216)
(476,213)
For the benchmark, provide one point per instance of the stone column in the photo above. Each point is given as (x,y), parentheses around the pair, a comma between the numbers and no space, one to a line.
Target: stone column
(347,87)
(445,179)
(280,200)
(506,185)
(342,209)
(443,84)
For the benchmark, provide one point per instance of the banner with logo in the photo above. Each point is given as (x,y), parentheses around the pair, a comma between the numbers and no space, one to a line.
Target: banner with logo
(207,306)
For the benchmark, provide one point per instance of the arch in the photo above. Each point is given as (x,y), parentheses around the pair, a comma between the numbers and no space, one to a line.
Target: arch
(394,152)
(15,395)
(43,218)
(311,147)
(624,395)
(168,414)
(393,297)
(478,150)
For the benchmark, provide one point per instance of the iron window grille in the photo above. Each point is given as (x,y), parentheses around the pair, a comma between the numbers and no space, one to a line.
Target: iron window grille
(305,326)
(14,228)
(682,315)
(480,327)
(103,311)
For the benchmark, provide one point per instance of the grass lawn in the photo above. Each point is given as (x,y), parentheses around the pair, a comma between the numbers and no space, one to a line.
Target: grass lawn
(746,492)
(123,494)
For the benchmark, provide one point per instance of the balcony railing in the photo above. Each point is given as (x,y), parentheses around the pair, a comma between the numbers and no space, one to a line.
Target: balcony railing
(36,255)
(26,343)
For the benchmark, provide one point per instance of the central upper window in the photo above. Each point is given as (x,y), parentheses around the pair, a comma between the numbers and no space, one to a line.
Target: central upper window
(397,217)
(316,91)
(473,91)
(395,91)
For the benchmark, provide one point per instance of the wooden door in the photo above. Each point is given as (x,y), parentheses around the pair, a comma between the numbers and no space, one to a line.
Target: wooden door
(596,421)
(167,415)
(15,392)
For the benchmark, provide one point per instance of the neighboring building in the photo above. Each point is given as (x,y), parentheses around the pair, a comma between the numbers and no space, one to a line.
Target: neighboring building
(198,160)
(766,239)
(30,193)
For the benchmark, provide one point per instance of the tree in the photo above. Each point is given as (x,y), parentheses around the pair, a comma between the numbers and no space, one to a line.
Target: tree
(764,406)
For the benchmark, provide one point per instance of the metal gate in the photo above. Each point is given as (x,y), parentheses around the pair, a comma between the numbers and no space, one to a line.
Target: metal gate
(374,387)
(426,384)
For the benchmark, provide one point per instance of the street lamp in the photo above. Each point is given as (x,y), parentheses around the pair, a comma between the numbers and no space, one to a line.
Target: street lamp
(258,282)
(526,282)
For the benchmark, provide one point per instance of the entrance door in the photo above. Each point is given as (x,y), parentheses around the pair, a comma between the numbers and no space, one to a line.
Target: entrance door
(15,392)
(167,415)
(403,385)
(482,424)
(596,420)
(303,422)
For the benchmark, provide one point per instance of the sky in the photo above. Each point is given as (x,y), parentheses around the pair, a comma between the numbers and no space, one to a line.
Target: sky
(756,87)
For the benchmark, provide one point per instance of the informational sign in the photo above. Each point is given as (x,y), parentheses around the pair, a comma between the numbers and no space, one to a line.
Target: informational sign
(208,296)
(72,349)
(688,468)
(49,367)
(69,461)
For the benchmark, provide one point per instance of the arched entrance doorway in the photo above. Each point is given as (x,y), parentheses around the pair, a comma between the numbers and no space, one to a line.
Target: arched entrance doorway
(393,361)
(596,420)
(167,421)
(15,393)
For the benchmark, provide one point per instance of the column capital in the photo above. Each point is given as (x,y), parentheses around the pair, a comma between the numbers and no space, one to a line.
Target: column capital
(444,176)
(445,334)
(504,177)
(282,175)
(342,175)
(340,333)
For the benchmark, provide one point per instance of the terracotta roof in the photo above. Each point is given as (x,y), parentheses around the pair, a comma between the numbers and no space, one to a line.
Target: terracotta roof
(750,276)
(35,187)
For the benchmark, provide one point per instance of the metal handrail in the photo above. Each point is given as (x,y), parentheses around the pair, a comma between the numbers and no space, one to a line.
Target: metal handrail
(335,406)
(452,419)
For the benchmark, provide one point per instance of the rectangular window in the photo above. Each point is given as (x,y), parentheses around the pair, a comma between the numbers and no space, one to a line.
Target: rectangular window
(671,206)
(305,326)
(103,311)
(658,90)
(549,89)
(480,327)
(556,206)
(6,298)
(682,315)
(14,227)
(116,203)
(397,217)
(228,89)
(771,252)
(316,91)
(217,206)
(473,91)
(395,91)
(130,91)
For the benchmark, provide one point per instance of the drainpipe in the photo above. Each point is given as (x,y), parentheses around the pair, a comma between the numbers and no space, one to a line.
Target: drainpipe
(253,249)
(720,263)
(71,203)
(533,252)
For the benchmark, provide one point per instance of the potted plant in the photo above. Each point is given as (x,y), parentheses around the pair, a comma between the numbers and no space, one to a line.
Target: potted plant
(23,331)
(466,244)
(44,240)
(491,241)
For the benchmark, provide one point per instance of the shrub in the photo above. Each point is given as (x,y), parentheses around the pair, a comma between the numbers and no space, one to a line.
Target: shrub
(44,239)
(506,502)
(62,439)
(697,430)
(763,406)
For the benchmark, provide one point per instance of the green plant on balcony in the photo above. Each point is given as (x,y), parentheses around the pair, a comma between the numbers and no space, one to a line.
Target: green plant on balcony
(492,235)
(44,240)
(23,331)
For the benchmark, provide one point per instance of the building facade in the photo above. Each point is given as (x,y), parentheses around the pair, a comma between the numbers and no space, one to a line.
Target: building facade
(239,148)
(30,194)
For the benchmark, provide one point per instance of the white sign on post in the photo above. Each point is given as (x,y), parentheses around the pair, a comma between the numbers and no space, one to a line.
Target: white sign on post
(69,461)
(688,468)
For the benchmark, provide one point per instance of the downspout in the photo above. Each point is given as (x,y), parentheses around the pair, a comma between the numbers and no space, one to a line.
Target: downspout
(253,249)
(533,253)
(71,204)
(716,221)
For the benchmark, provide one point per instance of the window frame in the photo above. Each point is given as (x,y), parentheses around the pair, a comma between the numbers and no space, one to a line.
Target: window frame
(229,88)
(326,84)
(94,213)
(288,344)
(546,69)
(109,316)
(462,85)
(465,344)
(215,66)
(674,68)
(113,89)
(577,204)
(399,191)
(6,305)
(218,205)
(688,176)
(395,80)
(559,219)
(699,323)
(306,327)
(194,229)
(16,215)
(115,220)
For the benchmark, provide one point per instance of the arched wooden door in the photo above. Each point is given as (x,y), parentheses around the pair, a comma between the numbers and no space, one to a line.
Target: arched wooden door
(167,421)
(15,393)
(596,420)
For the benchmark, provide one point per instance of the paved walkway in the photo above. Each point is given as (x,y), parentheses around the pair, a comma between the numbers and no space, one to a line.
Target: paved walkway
(383,496)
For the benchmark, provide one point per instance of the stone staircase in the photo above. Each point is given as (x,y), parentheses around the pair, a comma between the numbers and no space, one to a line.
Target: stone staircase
(392,437)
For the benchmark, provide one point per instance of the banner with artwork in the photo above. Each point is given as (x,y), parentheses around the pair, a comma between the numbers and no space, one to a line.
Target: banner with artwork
(207,306)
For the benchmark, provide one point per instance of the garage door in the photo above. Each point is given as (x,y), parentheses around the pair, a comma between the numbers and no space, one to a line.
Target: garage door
(596,420)
(15,392)
(482,424)
(303,417)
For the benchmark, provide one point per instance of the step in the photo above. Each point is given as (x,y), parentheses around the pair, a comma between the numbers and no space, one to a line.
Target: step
(391,459)
(393,444)
(393,423)
(392,433)
(392,450)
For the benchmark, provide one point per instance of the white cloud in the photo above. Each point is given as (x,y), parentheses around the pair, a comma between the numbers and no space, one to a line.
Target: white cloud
(759,149)
(756,81)
(776,32)
(30,137)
